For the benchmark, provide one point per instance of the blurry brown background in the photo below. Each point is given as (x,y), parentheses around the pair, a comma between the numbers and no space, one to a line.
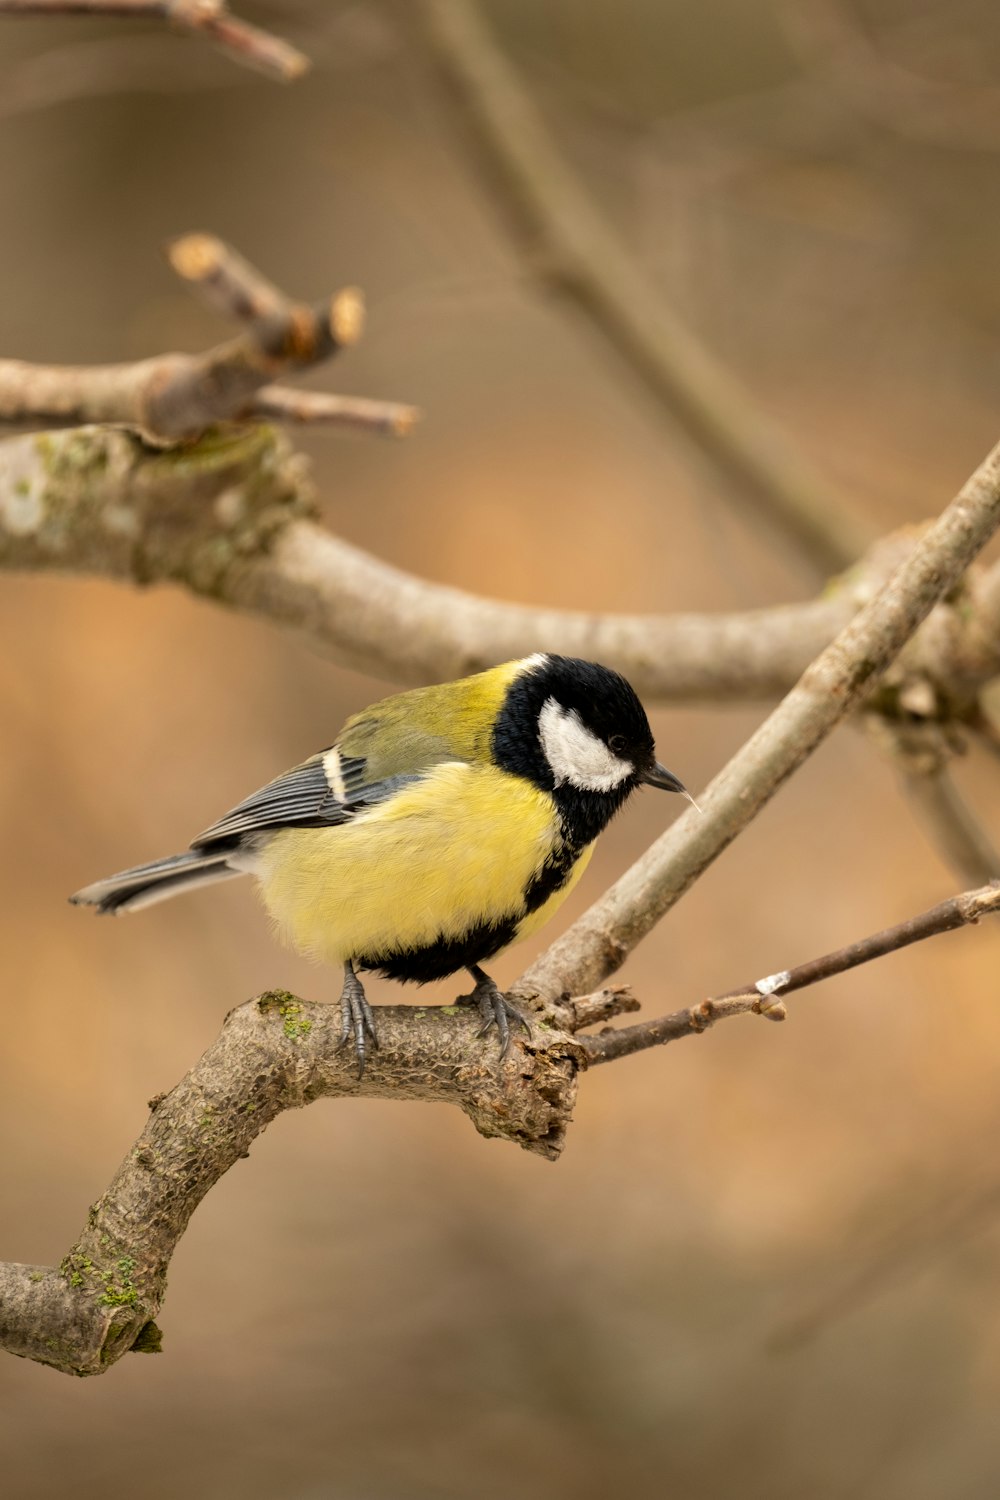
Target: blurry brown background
(378,1303)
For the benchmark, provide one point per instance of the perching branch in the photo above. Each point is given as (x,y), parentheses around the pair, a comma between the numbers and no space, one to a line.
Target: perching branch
(572,246)
(766,997)
(208,18)
(277,1053)
(175,398)
(274,1053)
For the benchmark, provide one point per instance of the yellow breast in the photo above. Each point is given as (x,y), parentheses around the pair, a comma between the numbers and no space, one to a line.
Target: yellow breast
(458,847)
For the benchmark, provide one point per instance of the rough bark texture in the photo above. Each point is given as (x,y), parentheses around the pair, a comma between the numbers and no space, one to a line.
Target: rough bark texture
(230,518)
(274,1053)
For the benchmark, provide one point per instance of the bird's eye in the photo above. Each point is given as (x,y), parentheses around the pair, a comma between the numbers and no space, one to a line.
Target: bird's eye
(617,743)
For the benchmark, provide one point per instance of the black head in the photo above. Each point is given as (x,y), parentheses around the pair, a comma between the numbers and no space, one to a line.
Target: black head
(577,730)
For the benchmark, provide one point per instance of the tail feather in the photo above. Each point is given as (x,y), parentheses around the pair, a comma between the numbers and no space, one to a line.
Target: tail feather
(146,884)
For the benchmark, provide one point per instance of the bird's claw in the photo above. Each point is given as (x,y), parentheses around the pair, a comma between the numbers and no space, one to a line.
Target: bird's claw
(496,1010)
(358,1021)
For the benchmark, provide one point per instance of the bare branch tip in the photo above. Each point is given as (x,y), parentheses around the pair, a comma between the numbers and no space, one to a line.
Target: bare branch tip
(293,65)
(347,316)
(404,421)
(195,257)
(194,12)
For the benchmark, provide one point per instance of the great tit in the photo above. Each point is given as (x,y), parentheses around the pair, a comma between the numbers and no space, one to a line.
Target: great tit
(443,825)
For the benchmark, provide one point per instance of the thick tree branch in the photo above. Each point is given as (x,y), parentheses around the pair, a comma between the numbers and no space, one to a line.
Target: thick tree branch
(279,1052)
(274,1053)
(572,246)
(208,18)
(599,942)
(230,518)
(174,398)
(765,997)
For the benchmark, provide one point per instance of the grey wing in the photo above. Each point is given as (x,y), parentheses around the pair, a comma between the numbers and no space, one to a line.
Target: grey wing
(326,790)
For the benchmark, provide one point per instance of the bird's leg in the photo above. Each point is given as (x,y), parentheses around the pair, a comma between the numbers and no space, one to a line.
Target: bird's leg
(494,1007)
(357,1015)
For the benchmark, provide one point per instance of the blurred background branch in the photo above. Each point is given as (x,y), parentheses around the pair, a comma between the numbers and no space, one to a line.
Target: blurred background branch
(155,525)
(176,397)
(211,19)
(572,247)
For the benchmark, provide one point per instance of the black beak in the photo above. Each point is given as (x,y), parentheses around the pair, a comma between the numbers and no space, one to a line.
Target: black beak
(666,781)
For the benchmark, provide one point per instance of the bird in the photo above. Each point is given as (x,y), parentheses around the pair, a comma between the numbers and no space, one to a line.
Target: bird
(444,824)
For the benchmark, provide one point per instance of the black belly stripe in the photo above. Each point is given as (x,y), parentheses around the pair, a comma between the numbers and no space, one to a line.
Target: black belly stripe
(444,956)
(483,941)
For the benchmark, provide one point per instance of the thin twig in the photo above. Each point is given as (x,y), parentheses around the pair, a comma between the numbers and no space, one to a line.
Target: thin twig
(573,246)
(599,942)
(241,41)
(766,996)
(921,749)
(230,284)
(279,403)
(175,398)
(951,825)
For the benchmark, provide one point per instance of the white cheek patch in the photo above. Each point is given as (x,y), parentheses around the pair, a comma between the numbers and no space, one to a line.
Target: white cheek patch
(575,755)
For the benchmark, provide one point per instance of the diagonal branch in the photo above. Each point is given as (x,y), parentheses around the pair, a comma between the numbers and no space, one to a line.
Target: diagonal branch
(174,398)
(959,837)
(241,41)
(759,998)
(573,246)
(600,941)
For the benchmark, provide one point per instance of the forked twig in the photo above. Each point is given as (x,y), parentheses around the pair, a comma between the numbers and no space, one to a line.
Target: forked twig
(175,398)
